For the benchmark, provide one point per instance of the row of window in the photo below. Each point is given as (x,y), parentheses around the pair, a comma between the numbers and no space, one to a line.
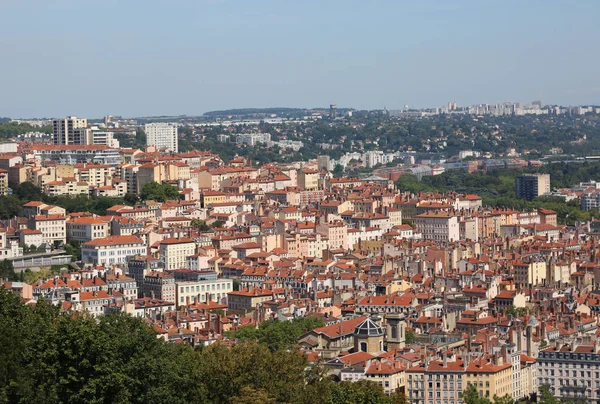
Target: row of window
(202,297)
(200,288)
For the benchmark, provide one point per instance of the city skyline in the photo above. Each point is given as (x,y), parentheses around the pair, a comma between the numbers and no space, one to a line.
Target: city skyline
(187,58)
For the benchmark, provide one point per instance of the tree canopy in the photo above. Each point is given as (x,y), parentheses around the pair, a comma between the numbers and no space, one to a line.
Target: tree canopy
(11,205)
(48,357)
(277,334)
(9,130)
(159,192)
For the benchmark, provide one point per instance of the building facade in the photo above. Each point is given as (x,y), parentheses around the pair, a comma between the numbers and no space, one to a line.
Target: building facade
(530,186)
(162,135)
(71,130)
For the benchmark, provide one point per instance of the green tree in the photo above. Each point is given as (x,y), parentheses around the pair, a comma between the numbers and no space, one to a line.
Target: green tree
(338,171)
(506,399)
(399,398)
(159,192)
(471,396)
(546,397)
(225,371)
(118,359)
(140,138)
(10,206)
(249,395)
(361,392)
(114,359)
(277,334)
(9,130)
(409,336)
(199,225)
(27,192)
(516,311)
(131,198)
(7,270)
(74,248)
(217,224)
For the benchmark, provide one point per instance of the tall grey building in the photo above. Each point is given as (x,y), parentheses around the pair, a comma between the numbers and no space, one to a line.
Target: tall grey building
(530,186)
(71,130)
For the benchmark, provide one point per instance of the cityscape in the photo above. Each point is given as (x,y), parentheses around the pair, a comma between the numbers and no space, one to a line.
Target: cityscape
(327,253)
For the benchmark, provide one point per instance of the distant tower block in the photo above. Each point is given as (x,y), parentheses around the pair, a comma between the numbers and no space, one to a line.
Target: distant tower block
(406,107)
(333,111)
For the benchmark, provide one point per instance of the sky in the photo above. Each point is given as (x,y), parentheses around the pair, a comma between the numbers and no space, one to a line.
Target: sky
(137,58)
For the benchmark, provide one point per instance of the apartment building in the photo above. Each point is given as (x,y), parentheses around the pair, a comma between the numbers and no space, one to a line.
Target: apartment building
(52,226)
(196,287)
(66,186)
(159,285)
(571,371)
(163,136)
(390,376)
(530,273)
(70,130)
(308,179)
(128,173)
(9,248)
(94,174)
(438,226)
(530,186)
(246,299)
(436,382)
(125,285)
(174,252)
(35,208)
(91,302)
(492,377)
(140,266)
(112,250)
(85,229)
(336,232)
(30,237)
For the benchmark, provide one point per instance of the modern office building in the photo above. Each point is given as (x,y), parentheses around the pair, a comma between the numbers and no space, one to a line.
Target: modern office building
(530,186)
(70,130)
(162,135)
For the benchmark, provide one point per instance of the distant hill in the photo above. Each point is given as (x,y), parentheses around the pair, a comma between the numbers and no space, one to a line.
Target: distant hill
(255,111)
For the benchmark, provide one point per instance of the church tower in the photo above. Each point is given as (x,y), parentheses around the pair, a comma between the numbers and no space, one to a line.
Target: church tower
(395,333)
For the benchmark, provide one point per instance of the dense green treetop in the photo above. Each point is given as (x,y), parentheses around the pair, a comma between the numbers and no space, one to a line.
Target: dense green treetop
(9,130)
(159,192)
(49,357)
(277,334)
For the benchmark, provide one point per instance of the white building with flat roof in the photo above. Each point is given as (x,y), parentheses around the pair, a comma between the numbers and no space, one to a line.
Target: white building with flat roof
(162,135)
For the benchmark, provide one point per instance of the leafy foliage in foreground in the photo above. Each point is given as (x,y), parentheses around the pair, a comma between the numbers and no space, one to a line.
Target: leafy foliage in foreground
(48,357)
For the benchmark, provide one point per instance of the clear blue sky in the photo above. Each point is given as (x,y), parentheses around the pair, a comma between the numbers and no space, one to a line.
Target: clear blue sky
(134,58)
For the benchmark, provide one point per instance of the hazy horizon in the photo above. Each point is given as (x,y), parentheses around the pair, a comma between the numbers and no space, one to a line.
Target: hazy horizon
(154,58)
